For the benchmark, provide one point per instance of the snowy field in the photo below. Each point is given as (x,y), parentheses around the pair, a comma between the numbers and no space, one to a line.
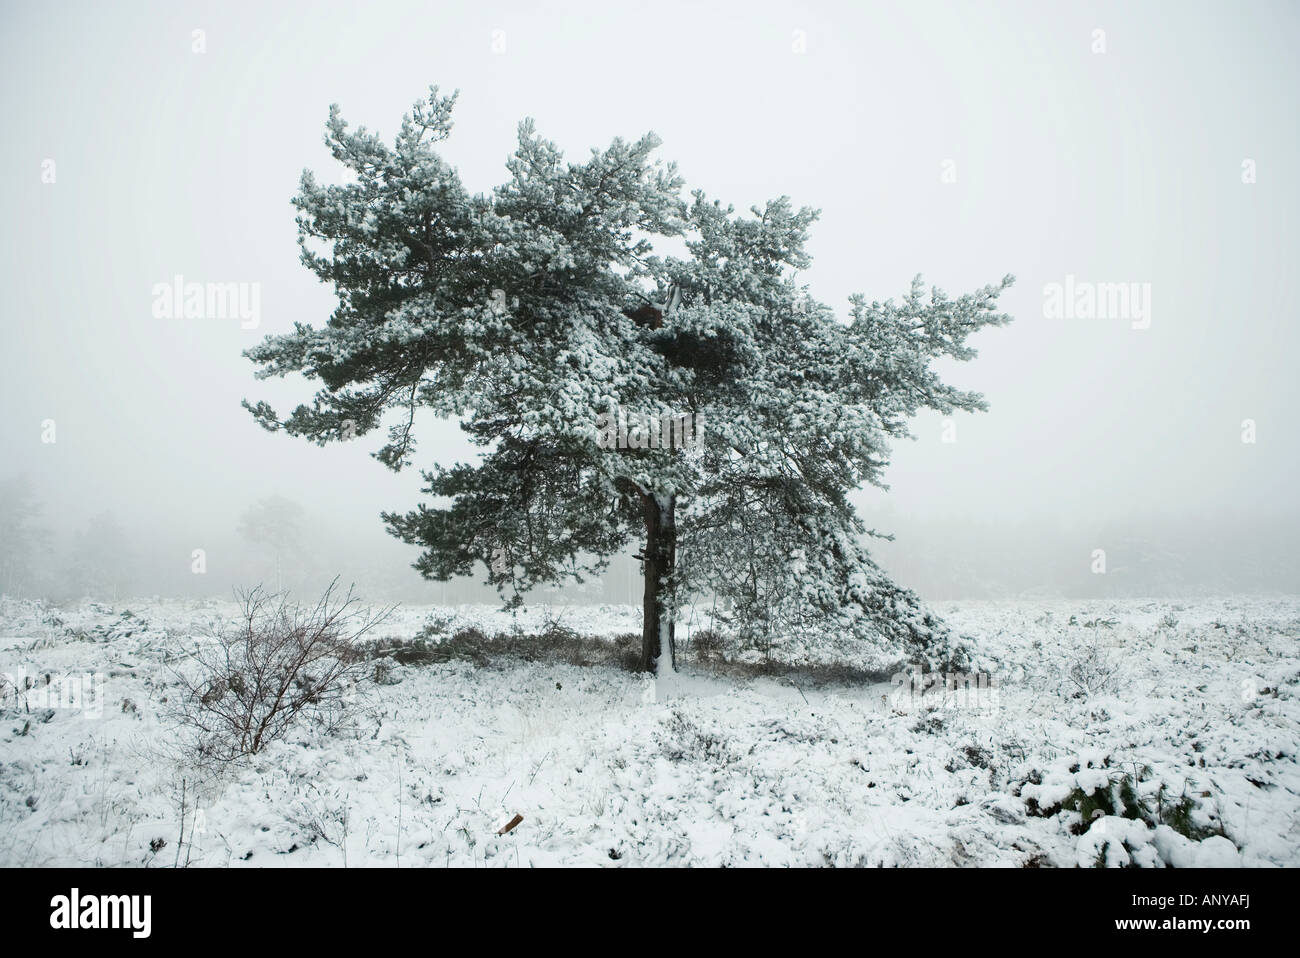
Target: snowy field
(1148,733)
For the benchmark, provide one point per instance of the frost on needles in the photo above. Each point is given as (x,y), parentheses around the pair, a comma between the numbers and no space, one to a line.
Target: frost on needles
(541,309)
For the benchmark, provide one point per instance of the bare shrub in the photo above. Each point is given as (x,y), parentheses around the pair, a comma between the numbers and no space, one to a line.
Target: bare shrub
(1092,670)
(708,645)
(321,816)
(280,664)
(681,738)
(555,643)
(437,624)
(13,688)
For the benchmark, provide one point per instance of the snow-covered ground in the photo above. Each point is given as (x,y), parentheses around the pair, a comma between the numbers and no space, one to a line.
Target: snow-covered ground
(1181,718)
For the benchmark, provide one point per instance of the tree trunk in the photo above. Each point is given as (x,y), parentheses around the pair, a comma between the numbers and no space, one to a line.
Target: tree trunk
(660,560)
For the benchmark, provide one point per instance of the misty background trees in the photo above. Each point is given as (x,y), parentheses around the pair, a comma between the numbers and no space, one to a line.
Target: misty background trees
(941,558)
(104,559)
(21,536)
(276,525)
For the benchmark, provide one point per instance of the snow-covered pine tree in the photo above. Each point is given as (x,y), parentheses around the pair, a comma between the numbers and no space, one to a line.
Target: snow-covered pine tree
(540,314)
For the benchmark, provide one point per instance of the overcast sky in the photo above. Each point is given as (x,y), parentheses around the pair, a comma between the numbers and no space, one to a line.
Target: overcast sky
(959,140)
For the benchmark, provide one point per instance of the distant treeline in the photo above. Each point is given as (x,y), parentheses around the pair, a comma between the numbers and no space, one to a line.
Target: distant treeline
(278,544)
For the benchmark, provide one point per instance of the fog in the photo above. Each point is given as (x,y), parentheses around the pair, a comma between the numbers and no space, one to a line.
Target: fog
(962,141)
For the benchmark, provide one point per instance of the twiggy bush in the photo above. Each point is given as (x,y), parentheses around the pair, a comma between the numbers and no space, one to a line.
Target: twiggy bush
(279,664)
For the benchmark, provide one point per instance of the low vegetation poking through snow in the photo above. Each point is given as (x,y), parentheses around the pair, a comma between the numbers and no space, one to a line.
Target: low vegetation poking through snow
(1114,733)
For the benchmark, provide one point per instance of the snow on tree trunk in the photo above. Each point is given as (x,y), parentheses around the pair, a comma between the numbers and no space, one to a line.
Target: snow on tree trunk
(658,648)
